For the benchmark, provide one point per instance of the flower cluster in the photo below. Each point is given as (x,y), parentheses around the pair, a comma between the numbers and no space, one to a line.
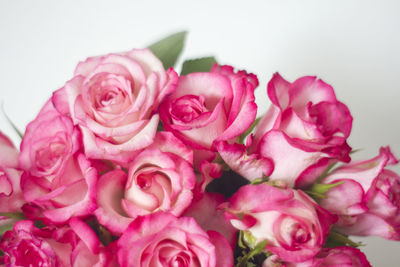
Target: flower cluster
(130,164)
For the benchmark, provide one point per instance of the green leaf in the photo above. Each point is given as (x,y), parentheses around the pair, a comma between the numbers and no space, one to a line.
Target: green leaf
(323,188)
(336,239)
(246,133)
(326,172)
(6,227)
(260,180)
(14,215)
(169,48)
(20,134)
(203,64)
(355,150)
(243,261)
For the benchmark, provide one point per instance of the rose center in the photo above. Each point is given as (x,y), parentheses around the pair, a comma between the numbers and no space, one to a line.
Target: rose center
(48,156)
(301,236)
(28,254)
(188,108)
(180,260)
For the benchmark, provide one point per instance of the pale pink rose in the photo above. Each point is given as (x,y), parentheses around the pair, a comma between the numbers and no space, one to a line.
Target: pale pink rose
(114,99)
(160,178)
(11,198)
(293,225)
(304,130)
(57,176)
(367,201)
(161,239)
(209,106)
(328,257)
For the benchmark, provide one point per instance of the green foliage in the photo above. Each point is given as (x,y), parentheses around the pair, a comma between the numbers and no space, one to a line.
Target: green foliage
(244,261)
(15,128)
(203,64)
(169,48)
(248,131)
(336,239)
(260,180)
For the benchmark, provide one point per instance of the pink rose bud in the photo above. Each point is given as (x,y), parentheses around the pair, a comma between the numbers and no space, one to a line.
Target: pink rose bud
(113,99)
(211,106)
(292,224)
(304,130)
(367,198)
(328,257)
(160,178)
(11,198)
(161,239)
(57,176)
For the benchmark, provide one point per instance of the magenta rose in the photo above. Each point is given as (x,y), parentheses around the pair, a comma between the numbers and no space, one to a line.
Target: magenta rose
(160,178)
(293,225)
(77,246)
(328,257)
(57,176)
(11,198)
(304,130)
(367,200)
(209,106)
(113,99)
(161,239)
(27,245)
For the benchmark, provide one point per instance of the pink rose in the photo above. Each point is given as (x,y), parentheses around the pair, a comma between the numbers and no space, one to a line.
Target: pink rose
(113,98)
(77,246)
(27,245)
(87,249)
(304,130)
(293,225)
(57,176)
(249,165)
(205,210)
(367,201)
(161,239)
(328,257)
(160,178)
(205,107)
(11,198)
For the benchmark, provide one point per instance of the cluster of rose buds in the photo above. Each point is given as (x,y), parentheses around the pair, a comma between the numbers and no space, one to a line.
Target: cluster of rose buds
(130,164)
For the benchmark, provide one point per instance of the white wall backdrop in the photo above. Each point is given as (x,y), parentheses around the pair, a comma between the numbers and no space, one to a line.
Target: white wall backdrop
(353,45)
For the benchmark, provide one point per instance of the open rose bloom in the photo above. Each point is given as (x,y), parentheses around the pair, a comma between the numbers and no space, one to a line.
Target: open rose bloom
(130,164)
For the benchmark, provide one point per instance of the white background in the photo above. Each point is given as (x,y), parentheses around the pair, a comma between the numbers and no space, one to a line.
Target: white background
(353,45)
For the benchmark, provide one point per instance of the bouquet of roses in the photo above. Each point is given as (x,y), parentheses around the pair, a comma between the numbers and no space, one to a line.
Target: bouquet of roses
(131,164)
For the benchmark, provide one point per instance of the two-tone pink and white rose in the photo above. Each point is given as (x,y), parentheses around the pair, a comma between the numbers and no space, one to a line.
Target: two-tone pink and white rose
(160,178)
(328,257)
(161,239)
(57,176)
(74,246)
(293,225)
(304,130)
(210,106)
(11,198)
(367,200)
(114,99)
